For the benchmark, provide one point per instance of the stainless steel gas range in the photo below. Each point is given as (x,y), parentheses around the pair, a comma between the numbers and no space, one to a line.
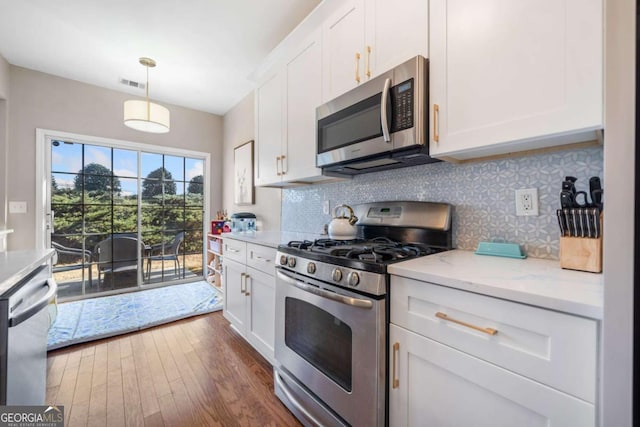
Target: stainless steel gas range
(332,312)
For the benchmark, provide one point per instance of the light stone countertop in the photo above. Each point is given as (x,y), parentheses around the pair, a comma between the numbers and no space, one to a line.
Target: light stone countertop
(270,238)
(16,265)
(531,281)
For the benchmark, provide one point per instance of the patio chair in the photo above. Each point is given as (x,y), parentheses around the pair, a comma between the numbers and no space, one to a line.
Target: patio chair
(171,252)
(118,254)
(83,254)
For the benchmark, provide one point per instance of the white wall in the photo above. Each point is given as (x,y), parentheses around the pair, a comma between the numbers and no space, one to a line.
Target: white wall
(41,100)
(619,157)
(4,112)
(238,129)
(4,78)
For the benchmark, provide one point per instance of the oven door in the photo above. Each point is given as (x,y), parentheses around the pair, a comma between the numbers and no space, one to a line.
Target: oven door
(332,343)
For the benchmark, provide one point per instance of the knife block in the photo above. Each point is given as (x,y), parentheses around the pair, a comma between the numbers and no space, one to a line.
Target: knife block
(581,253)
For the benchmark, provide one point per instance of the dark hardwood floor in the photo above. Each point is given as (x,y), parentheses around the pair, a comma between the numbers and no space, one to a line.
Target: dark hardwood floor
(193,372)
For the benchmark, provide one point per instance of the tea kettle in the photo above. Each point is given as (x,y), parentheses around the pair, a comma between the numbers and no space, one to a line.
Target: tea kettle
(343,227)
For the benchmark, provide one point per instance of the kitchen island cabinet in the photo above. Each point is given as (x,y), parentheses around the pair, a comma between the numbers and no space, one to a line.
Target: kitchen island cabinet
(514,341)
(514,76)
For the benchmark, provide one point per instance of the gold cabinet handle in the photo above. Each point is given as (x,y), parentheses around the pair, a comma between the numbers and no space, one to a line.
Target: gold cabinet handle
(278,166)
(246,291)
(368,58)
(242,282)
(282,163)
(357,67)
(489,331)
(436,117)
(395,381)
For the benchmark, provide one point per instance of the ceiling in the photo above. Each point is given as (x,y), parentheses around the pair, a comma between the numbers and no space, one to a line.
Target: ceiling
(205,49)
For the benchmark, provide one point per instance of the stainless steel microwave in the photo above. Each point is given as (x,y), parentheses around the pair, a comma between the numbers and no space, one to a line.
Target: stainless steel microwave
(381,124)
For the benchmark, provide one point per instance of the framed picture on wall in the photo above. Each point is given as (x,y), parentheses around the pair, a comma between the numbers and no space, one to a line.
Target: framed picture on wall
(243,174)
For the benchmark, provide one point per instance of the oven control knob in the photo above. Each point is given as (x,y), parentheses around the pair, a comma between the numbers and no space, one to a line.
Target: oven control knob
(336,275)
(283,260)
(353,279)
(311,268)
(292,262)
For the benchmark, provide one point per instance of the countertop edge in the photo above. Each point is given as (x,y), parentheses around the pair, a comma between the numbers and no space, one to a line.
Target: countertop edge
(268,238)
(452,269)
(38,257)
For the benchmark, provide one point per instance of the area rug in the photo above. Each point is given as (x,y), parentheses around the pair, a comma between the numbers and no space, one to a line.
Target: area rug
(95,318)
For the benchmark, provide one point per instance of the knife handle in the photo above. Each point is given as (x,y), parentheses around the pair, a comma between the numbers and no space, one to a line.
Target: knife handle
(561,222)
(567,219)
(595,213)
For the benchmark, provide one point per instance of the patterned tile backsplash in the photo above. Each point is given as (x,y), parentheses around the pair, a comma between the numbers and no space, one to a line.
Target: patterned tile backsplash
(483,195)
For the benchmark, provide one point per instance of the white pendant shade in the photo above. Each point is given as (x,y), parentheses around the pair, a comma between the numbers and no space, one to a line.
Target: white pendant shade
(146,116)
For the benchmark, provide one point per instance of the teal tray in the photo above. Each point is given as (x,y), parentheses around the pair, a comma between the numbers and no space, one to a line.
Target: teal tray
(508,250)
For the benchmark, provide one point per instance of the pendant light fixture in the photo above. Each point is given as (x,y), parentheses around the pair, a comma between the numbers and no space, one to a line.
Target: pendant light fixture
(146,116)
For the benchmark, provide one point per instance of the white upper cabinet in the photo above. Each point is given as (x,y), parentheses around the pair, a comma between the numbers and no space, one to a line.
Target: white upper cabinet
(344,43)
(269,130)
(512,76)
(286,118)
(396,31)
(304,94)
(365,38)
(344,56)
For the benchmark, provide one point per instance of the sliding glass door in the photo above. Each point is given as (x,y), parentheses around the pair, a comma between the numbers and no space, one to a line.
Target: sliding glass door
(122,219)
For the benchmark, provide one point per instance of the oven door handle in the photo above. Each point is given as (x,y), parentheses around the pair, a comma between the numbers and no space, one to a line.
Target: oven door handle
(354,302)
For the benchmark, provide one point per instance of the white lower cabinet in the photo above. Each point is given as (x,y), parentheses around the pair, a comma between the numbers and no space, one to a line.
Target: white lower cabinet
(260,312)
(436,385)
(458,358)
(249,300)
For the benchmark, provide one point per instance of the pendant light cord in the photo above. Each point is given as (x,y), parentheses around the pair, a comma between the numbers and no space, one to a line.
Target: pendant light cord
(148,103)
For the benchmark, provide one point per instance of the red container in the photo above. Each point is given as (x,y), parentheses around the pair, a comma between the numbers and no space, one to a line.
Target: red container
(217,227)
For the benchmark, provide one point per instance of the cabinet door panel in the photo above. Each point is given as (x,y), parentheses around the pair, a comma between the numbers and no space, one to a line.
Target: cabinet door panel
(342,38)
(261,258)
(440,386)
(269,135)
(234,298)
(554,348)
(396,31)
(504,72)
(235,250)
(261,312)
(304,94)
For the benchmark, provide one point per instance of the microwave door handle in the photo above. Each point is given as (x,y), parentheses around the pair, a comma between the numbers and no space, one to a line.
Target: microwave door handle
(384,118)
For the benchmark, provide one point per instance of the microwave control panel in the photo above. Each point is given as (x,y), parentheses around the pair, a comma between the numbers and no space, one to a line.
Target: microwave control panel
(402,101)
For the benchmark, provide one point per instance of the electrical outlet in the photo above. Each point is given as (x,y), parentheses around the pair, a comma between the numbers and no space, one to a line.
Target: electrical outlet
(325,207)
(527,202)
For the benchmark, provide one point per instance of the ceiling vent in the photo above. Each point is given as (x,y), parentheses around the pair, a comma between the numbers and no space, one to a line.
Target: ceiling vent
(131,83)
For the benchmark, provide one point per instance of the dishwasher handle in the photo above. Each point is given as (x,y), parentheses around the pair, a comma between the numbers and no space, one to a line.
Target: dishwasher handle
(42,303)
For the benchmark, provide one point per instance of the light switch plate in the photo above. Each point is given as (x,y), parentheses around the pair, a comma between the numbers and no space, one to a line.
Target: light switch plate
(18,207)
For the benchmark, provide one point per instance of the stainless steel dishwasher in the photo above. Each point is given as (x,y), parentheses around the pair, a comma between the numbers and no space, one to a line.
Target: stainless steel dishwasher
(24,325)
